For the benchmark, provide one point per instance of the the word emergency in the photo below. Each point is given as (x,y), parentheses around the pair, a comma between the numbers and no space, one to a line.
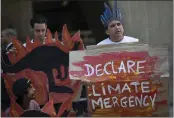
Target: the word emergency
(109,95)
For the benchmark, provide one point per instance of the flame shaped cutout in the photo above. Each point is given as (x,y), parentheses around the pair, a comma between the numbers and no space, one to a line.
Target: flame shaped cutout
(21,51)
(67,105)
(76,36)
(66,36)
(66,45)
(48,37)
(49,108)
(29,45)
(36,43)
(15,109)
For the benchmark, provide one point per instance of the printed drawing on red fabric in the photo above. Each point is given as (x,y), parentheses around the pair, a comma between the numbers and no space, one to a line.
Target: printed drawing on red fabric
(47,66)
(123,83)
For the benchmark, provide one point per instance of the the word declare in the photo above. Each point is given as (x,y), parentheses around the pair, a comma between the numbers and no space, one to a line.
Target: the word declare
(128,68)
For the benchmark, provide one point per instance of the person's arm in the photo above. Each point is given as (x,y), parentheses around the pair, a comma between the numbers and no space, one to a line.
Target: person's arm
(4,56)
(7,113)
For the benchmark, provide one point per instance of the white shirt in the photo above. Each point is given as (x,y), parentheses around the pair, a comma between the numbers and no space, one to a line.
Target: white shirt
(126,39)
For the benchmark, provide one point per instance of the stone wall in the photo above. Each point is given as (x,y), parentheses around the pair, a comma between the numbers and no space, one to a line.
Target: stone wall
(18,13)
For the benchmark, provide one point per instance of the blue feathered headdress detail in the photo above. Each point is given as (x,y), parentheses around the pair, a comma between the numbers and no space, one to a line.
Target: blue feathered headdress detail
(109,15)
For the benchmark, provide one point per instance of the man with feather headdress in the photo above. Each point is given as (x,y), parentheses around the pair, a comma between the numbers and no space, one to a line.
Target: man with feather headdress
(113,23)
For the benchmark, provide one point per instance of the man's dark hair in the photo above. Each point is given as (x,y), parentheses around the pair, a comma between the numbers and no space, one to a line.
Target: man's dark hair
(34,113)
(38,19)
(19,89)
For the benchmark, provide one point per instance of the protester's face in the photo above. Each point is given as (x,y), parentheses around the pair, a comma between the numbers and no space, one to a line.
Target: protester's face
(4,39)
(115,29)
(40,30)
(31,92)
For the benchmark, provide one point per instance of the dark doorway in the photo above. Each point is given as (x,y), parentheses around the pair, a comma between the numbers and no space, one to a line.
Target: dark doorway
(77,14)
(59,13)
